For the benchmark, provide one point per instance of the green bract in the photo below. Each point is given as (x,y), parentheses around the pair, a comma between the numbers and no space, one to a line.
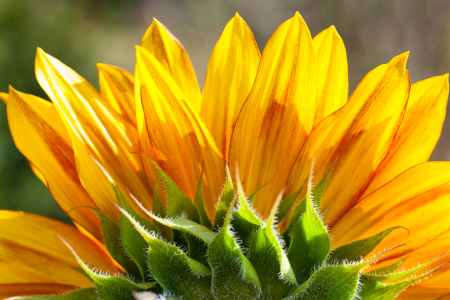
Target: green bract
(183,255)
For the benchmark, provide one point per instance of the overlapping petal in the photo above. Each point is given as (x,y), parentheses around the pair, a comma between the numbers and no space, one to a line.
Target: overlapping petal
(171,55)
(356,138)
(178,136)
(231,72)
(117,89)
(41,136)
(418,199)
(95,130)
(277,116)
(419,132)
(332,70)
(31,242)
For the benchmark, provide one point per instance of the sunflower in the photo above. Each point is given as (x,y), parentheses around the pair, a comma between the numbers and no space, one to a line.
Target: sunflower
(269,184)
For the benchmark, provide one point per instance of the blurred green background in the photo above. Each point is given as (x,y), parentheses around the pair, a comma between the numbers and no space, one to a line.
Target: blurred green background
(81,33)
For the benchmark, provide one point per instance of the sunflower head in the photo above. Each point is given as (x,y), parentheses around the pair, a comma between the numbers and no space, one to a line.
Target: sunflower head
(188,195)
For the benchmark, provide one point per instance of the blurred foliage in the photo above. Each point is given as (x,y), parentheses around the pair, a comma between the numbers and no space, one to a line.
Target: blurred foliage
(81,33)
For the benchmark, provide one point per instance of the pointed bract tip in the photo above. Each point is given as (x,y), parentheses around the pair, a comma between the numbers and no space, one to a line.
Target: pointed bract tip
(237,15)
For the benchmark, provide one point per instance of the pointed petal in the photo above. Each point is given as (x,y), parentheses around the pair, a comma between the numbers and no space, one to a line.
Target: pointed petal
(426,292)
(419,132)
(332,70)
(418,199)
(41,136)
(356,138)
(276,118)
(94,128)
(31,242)
(117,89)
(231,73)
(179,138)
(160,42)
(4,97)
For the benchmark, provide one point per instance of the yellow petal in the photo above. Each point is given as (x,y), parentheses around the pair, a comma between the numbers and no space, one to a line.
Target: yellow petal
(41,136)
(426,292)
(276,118)
(38,173)
(21,289)
(356,137)
(332,70)
(160,42)
(418,200)
(229,79)
(95,130)
(18,274)
(419,132)
(4,97)
(117,89)
(179,138)
(31,242)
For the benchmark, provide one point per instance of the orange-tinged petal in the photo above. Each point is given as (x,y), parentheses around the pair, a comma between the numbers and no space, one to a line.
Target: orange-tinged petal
(21,289)
(170,53)
(4,97)
(418,199)
(117,89)
(229,79)
(356,138)
(95,130)
(419,132)
(179,138)
(18,274)
(37,173)
(332,70)
(31,242)
(41,136)
(276,117)
(426,291)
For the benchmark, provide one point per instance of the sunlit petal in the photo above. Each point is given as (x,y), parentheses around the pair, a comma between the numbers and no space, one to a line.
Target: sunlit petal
(231,73)
(276,118)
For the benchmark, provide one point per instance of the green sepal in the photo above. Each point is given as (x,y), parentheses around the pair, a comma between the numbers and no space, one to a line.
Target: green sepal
(133,243)
(81,294)
(286,204)
(270,261)
(233,276)
(177,202)
(160,211)
(388,269)
(310,243)
(329,283)
(301,207)
(205,221)
(196,235)
(178,275)
(359,249)
(375,290)
(245,222)
(112,239)
(226,198)
(399,275)
(187,226)
(112,287)
(197,249)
